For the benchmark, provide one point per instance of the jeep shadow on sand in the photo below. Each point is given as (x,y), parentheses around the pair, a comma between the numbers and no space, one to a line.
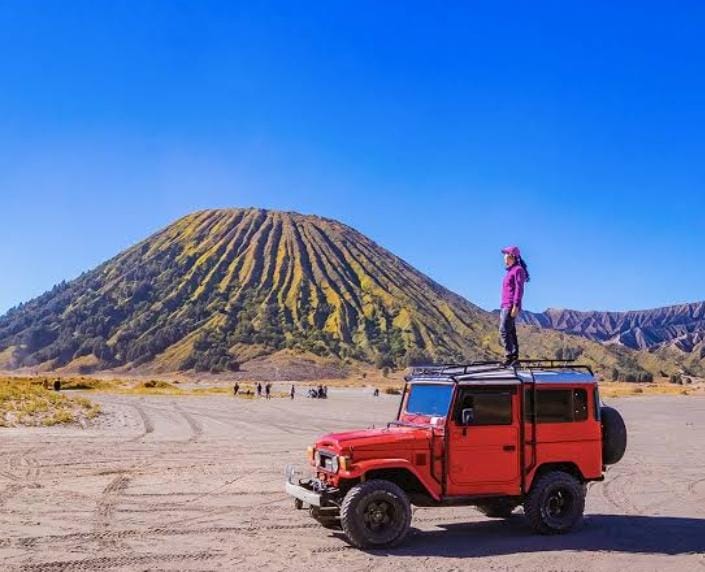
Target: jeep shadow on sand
(481,435)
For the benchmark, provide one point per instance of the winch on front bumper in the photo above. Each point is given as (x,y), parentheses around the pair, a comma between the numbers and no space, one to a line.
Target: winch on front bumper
(311,491)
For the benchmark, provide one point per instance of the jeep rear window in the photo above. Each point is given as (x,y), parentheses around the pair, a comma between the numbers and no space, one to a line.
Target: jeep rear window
(432,400)
(557,405)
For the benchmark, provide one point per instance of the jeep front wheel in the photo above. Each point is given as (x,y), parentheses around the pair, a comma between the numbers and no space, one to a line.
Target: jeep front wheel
(375,513)
(555,504)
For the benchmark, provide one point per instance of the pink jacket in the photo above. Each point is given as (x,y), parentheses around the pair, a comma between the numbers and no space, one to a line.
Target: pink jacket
(513,286)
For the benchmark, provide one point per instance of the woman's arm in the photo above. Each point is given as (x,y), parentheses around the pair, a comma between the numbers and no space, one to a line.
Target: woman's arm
(519,279)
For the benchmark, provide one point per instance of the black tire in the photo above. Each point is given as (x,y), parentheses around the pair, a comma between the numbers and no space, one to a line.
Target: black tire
(497,508)
(375,513)
(555,504)
(614,435)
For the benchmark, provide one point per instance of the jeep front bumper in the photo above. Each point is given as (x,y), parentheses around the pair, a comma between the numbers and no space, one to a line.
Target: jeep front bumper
(310,491)
(303,494)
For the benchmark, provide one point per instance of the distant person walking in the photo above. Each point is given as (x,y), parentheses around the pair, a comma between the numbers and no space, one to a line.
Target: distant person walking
(268,390)
(512,294)
(259,389)
(292,392)
(236,388)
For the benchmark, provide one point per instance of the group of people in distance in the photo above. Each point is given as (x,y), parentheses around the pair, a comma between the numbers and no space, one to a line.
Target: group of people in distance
(320,392)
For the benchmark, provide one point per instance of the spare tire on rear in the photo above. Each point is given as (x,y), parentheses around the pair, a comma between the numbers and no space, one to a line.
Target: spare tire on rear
(614,435)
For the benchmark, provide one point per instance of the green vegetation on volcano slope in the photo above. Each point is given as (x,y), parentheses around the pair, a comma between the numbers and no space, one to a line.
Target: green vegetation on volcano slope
(216,281)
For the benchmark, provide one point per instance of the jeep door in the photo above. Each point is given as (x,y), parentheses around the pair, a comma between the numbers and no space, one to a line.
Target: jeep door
(483,442)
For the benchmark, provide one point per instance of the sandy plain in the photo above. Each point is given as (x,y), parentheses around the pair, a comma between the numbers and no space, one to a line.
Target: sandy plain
(196,483)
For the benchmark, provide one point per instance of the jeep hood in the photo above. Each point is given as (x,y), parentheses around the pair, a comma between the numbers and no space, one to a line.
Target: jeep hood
(399,437)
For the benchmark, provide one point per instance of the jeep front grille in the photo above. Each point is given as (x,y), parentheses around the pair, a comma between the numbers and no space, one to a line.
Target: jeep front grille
(327,461)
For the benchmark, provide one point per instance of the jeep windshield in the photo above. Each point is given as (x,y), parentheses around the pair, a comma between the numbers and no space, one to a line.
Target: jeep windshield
(428,400)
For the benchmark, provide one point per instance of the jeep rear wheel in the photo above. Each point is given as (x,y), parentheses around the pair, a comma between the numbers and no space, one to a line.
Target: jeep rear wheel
(555,504)
(375,513)
(497,508)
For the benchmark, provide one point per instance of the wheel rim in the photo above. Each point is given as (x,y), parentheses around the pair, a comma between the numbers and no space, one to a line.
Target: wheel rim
(379,516)
(558,505)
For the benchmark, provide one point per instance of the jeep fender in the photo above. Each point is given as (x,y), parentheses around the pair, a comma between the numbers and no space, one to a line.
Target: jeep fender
(565,467)
(363,467)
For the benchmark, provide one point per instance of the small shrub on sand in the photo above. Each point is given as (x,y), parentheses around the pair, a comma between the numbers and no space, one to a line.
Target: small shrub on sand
(27,402)
(156,384)
(58,417)
(90,409)
(614,389)
(150,387)
(85,383)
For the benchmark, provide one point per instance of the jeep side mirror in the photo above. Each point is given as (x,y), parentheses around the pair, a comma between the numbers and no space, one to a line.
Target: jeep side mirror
(467,416)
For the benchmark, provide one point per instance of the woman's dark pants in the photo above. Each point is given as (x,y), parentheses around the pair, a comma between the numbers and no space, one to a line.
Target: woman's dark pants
(508,333)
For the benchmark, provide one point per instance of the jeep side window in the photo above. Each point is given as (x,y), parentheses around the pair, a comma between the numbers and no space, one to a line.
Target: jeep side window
(557,405)
(485,407)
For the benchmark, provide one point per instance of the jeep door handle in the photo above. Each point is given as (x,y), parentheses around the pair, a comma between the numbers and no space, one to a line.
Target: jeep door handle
(509,448)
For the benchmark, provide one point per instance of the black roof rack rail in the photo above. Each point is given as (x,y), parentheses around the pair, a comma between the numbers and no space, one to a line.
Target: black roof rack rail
(545,360)
(549,363)
(441,368)
(493,365)
(429,369)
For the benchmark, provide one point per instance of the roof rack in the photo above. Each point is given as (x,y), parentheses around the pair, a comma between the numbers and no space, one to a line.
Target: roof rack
(452,370)
(548,363)
(456,369)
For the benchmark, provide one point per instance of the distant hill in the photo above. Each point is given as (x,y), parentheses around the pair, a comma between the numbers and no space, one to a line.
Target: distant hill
(222,288)
(681,327)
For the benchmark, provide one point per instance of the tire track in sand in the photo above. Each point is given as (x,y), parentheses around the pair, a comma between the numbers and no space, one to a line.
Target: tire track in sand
(195,426)
(23,471)
(146,421)
(108,562)
(613,491)
(105,508)
(141,533)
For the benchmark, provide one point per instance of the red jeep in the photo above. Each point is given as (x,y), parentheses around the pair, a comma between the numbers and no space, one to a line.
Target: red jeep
(482,434)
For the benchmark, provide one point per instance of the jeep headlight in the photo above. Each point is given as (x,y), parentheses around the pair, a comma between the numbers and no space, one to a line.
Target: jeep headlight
(344,462)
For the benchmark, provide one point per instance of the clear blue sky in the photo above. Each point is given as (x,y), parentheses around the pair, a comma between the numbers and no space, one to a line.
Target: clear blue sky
(443,131)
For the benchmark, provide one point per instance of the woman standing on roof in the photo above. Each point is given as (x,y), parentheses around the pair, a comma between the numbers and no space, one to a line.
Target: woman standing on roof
(512,294)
